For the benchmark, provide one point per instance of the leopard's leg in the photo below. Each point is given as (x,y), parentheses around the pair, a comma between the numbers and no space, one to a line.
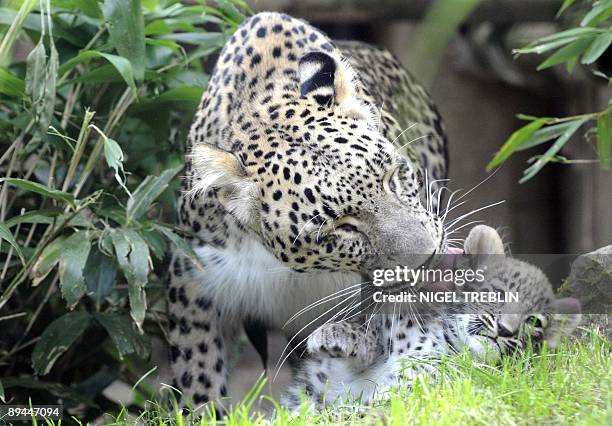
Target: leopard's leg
(199,339)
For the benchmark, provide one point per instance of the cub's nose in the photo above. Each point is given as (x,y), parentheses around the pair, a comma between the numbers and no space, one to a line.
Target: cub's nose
(504,331)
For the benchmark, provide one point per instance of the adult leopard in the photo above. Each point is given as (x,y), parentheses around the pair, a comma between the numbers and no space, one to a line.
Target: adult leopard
(306,169)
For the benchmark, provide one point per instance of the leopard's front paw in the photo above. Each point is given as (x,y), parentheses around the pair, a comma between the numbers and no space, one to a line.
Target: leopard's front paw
(335,340)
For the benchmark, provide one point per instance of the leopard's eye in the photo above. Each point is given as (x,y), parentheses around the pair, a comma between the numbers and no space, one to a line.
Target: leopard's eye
(420,179)
(347,227)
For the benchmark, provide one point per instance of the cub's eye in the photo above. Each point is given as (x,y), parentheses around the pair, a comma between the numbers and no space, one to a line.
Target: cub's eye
(535,321)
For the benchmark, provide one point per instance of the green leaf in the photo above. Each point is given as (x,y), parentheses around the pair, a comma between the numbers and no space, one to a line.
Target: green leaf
(35,72)
(57,339)
(571,33)
(122,65)
(120,330)
(597,48)
(148,191)
(46,106)
(2,396)
(180,244)
(566,4)
(11,85)
(552,151)
(89,7)
(126,29)
(604,139)
(516,139)
(58,390)
(157,27)
(544,135)
(600,12)
(71,267)
(202,39)
(188,94)
(41,189)
(231,12)
(100,275)
(156,242)
(566,53)
(47,260)
(114,157)
(47,217)
(5,234)
(133,256)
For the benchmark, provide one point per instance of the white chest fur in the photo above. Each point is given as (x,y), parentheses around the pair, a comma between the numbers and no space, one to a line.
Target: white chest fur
(246,280)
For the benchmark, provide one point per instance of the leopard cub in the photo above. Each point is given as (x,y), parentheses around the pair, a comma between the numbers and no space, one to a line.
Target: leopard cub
(364,357)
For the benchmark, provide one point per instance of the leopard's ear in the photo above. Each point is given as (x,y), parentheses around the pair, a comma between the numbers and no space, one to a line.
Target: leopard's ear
(214,168)
(329,80)
(318,77)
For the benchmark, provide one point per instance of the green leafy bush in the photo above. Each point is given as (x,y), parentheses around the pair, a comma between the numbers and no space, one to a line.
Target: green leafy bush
(95,101)
(583,44)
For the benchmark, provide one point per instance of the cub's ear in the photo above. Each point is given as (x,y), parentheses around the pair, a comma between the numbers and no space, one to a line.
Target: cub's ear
(483,239)
(214,168)
(484,245)
(566,317)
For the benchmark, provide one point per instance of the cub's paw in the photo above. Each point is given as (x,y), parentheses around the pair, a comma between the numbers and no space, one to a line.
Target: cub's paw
(335,340)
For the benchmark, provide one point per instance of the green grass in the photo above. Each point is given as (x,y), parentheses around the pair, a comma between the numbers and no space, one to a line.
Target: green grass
(570,385)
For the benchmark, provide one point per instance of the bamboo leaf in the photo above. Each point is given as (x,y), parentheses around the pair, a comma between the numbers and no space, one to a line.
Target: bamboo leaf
(120,330)
(100,274)
(180,243)
(516,139)
(604,139)
(571,33)
(133,256)
(566,53)
(597,48)
(47,260)
(126,29)
(5,234)
(566,4)
(114,157)
(72,267)
(600,12)
(11,85)
(148,191)
(202,39)
(552,151)
(35,72)
(122,65)
(57,339)
(47,105)
(41,189)
(544,135)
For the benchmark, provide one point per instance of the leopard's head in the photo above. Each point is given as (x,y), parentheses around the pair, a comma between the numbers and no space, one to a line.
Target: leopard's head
(494,328)
(310,172)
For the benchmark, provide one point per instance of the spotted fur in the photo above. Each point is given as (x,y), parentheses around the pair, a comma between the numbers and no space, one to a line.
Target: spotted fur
(364,361)
(307,167)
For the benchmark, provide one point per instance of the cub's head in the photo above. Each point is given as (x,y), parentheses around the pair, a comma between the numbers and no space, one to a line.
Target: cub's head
(309,171)
(496,329)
